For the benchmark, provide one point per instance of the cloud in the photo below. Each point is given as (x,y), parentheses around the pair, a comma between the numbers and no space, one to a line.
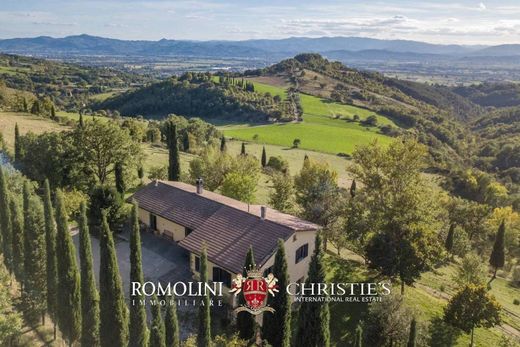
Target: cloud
(482,6)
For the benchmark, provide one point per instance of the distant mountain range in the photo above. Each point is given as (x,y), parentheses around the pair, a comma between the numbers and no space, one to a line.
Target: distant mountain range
(335,47)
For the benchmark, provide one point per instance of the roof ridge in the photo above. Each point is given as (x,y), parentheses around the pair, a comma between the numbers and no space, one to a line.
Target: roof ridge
(168,183)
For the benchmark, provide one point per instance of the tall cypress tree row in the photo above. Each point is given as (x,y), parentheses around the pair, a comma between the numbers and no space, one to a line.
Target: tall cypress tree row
(413,334)
(114,315)
(313,323)
(52,260)
(498,258)
(18,239)
(157,336)
(69,289)
(204,334)
(245,321)
(5,223)
(276,328)
(264,157)
(174,167)
(120,179)
(89,292)
(138,328)
(34,295)
(17,144)
(171,324)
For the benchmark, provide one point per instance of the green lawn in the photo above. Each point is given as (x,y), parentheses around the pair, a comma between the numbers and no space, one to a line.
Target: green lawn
(319,131)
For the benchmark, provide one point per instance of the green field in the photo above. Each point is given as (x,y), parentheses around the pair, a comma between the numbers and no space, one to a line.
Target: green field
(320,129)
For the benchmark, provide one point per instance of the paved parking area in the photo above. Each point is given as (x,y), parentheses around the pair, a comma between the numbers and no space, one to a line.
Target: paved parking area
(163,260)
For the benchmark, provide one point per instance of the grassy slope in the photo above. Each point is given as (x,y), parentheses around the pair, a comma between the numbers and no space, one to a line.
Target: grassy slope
(26,122)
(423,299)
(318,131)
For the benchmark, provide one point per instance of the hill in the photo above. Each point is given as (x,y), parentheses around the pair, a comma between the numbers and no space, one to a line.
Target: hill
(431,112)
(70,86)
(198,95)
(87,44)
(491,94)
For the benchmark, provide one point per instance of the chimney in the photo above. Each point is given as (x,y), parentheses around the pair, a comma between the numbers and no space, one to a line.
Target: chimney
(200,185)
(263,212)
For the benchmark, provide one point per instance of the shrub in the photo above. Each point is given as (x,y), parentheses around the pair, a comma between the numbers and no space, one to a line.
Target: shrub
(278,163)
(516,302)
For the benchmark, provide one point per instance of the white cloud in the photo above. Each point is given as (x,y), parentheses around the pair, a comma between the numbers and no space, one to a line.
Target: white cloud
(482,6)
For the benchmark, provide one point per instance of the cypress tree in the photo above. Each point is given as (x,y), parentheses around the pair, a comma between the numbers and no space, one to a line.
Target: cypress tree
(413,333)
(186,142)
(18,239)
(17,144)
(69,290)
(448,244)
(353,189)
(34,295)
(313,324)
(89,292)
(81,124)
(204,334)
(114,316)
(276,328)
(120,179)
(243,149)
(53,112)
(245,321)
(358,338)
(264,157)
(138,329)
(497,258)
(157,336)
(52,260)
(27,192)
(140,173)
(171,324)
(223,145)
(174,167)
(5,222)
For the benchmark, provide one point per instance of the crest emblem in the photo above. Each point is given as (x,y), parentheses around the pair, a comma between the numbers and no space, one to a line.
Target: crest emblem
(255,289)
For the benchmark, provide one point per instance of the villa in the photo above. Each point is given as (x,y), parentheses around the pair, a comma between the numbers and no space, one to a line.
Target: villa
(192,217)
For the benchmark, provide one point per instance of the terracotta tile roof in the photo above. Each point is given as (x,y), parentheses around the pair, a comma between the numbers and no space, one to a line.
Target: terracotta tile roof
(224,224)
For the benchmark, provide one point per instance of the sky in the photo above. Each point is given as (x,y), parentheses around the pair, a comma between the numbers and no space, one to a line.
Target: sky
(462,22)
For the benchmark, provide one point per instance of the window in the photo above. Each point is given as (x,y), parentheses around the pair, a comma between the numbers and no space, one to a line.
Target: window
(302,253)
(268,271)
(220,275)
(153,221)
(197,263)
(187,231)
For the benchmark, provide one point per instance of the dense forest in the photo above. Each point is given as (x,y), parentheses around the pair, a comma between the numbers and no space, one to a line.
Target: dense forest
(198,95)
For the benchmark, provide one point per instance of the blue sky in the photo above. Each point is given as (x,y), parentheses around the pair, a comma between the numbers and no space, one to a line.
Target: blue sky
(464,21)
